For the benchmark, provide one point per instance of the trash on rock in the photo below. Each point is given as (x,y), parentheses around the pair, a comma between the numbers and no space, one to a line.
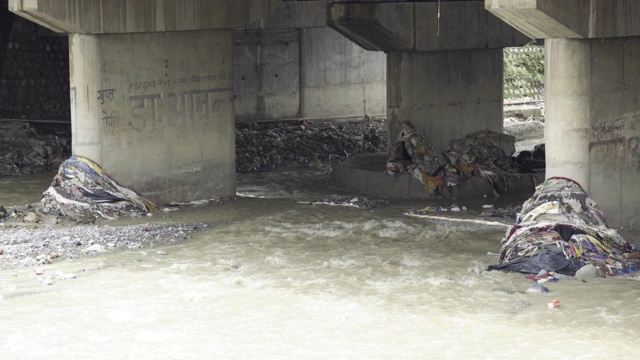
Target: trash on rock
(82,191)
(481,153)
(561,229)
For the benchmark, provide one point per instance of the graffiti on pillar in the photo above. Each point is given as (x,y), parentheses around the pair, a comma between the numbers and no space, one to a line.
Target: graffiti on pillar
(179,108)
(109,117)
(168,102)
(110,120)
(617,140)
(144,111)
(265,37)
(160,84)
(105,94)
(615,127)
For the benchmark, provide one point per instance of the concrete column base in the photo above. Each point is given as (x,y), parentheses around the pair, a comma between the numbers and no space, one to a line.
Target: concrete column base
(593,121)
(155,110)
(445,94)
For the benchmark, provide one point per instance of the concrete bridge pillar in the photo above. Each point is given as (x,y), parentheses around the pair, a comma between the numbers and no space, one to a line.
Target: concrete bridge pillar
(593,119)
(592,85)
(156,109)
(444,62)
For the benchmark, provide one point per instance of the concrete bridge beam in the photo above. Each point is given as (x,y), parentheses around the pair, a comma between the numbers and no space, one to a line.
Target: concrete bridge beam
(444,62)
(571,19)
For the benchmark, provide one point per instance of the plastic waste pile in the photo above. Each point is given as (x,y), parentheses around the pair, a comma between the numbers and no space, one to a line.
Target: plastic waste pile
(82,191)
(560,229)
(481,153)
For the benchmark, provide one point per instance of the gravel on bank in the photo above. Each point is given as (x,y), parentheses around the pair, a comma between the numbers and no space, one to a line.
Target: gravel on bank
(32,245)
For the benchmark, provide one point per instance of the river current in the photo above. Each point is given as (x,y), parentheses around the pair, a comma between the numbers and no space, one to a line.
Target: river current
(275,277)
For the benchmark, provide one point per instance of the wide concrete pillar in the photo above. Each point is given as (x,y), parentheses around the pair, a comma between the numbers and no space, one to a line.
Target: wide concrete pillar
(156,110)
(444,62)
(592,85)
(593,120)
(445,94)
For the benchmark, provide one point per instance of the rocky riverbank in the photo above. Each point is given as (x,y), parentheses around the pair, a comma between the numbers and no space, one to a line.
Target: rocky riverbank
(33,245)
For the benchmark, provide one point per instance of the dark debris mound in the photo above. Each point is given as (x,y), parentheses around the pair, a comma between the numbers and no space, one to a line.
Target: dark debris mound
(25,151)
(264,146)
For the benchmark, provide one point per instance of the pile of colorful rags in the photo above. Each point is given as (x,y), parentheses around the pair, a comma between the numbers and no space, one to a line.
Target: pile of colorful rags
(412,154)
(561,229)
(481,153)
(82,191)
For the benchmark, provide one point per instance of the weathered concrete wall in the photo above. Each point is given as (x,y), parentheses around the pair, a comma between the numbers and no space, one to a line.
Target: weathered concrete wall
(422,26)
(338,78)
(156,110)
(445,95)
(593,120)
(266,74)
(34,71)
(305,73)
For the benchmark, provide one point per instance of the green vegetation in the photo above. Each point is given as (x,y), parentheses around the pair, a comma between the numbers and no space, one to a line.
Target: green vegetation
(524,72)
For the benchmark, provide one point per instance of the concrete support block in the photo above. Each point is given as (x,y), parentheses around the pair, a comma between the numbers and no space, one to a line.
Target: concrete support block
(445,95)
(338,78)
(422,26)
(579,19)
(593,120)
(305,73)
(156,110)
(266,74)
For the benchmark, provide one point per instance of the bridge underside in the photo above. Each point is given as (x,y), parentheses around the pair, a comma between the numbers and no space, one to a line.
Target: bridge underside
(153,82)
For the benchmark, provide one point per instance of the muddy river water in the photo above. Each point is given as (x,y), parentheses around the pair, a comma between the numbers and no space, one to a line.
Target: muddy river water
(274,277)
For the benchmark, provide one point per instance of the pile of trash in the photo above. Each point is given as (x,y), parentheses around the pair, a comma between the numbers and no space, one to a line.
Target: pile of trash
(481,153)
(81,191)
(24,151)
(560,229)
(268,145)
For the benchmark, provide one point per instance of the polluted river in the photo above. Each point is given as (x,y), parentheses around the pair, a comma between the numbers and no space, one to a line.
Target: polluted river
(274,275)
